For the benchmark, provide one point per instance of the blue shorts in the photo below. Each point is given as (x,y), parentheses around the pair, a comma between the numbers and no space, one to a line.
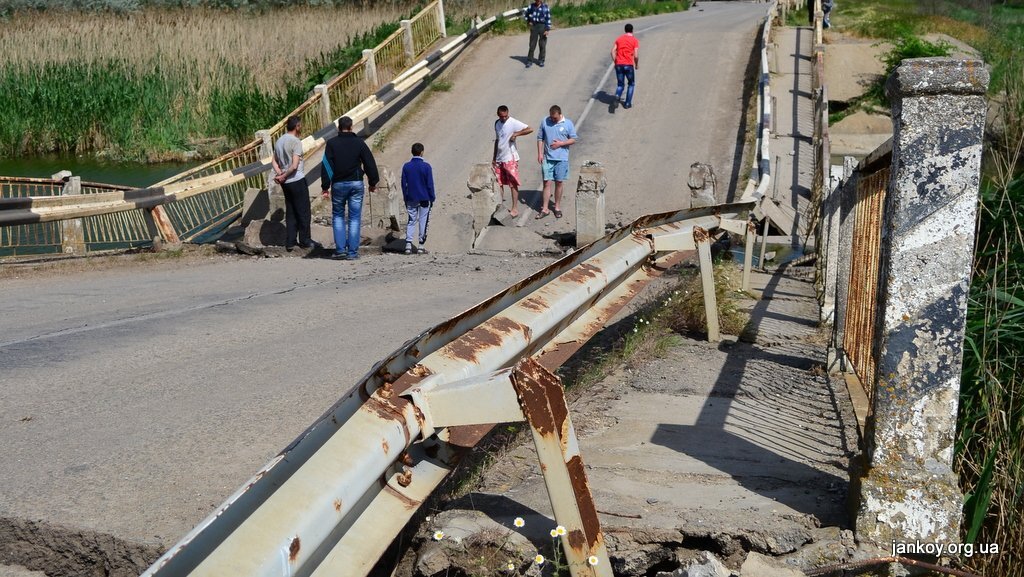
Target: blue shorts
(556,170)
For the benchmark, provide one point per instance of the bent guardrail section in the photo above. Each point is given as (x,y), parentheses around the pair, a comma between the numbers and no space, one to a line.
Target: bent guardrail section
(332,501)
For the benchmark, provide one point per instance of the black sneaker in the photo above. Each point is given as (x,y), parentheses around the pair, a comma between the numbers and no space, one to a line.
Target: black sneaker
(339,256)
(311,244)
(541,64)
(529,63)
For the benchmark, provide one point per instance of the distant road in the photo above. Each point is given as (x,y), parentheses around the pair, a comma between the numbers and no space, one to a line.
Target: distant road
(134,401)
(688,107)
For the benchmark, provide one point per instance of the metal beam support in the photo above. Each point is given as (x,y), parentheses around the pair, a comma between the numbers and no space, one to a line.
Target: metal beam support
(530,392)
(707,277)
(543,402)
(748,255)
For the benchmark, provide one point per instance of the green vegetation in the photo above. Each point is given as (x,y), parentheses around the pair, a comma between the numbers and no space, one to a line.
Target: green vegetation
(598,11)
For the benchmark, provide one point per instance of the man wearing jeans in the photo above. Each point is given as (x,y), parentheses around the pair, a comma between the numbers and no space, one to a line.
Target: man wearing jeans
(538,20)
(626,56)
(554,138)
(346,160)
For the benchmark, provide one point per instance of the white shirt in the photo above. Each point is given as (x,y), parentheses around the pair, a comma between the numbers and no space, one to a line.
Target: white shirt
(503,132)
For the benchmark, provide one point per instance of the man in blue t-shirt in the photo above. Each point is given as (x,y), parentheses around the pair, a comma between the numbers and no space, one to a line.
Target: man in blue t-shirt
(554,138)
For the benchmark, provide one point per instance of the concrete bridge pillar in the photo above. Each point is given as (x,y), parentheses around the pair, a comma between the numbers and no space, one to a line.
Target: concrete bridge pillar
(910,491)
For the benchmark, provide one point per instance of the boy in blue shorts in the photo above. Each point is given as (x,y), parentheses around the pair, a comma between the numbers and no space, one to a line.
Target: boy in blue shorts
(554,138)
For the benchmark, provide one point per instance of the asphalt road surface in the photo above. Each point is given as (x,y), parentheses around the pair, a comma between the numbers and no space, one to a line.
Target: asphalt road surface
(134,401)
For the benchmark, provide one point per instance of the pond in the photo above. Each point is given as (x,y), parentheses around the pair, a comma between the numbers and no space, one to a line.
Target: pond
(93,169)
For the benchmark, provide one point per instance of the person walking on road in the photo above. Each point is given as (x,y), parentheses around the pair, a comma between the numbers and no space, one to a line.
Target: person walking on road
(346,159)
(506,156)
(538,19)
(626,56)
(554,138)
(418,193)
(290,174)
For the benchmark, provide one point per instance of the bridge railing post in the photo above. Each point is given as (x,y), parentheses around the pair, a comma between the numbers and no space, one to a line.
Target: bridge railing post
(910,491)
(407,41)
(72,230)
(325,106)
(440,19)
(371,69)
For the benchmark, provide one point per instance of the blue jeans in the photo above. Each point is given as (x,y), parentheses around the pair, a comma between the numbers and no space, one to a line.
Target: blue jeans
(624,73)
(349,195)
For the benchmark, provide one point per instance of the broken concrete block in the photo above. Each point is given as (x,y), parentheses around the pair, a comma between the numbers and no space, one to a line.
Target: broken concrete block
(758,565)
(702,184)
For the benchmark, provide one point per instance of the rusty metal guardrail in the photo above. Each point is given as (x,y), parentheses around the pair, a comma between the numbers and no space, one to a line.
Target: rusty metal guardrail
(332,501)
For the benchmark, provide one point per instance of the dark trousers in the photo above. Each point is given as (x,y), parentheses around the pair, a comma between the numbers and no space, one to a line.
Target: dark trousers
(537,36)
(296,214)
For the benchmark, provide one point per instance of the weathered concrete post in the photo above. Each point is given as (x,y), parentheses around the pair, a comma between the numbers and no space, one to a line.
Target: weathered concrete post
(590,206)
(829,249)
(72,230)
(486,199)
(702,184)
(910,491)
(407,41)
(325,107)
(266,151)
(371,69)
(440,19)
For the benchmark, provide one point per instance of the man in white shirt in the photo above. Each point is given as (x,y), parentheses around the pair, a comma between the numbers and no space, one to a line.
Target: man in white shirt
(506,157)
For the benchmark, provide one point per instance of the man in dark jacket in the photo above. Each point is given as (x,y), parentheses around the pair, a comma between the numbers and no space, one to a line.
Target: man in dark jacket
(346,160)
(418,193)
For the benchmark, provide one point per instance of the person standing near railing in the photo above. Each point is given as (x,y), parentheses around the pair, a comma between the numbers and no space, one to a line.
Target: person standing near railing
(290,174)
(626,57)
(538,19)
(554,138)
(346,159)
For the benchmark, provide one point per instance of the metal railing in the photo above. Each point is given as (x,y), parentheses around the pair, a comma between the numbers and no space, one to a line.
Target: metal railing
(865,266)
(333,500)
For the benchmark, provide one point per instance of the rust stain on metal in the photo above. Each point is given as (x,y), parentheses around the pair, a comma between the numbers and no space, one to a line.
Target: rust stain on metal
(293,549)
(406,382)
(486,336)
(384,445)
(535,303)
(467,436)
(386,390)
(391,410)
(410,504)
(700,235)
(405,458)
(404,478)
(421,371)
(582,273)
(584,500)
(337,505)
(576,540)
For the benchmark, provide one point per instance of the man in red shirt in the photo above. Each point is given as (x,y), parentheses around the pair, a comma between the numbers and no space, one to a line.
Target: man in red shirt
(626,56)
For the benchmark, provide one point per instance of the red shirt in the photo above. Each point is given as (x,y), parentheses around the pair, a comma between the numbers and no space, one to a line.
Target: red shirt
(625,49)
